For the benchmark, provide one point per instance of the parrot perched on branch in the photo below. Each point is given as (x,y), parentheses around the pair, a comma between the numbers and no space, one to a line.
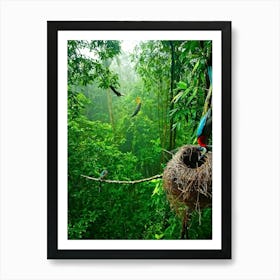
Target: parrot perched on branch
(138,101)
(103,174)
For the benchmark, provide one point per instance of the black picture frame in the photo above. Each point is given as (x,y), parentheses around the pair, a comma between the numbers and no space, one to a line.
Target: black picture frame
(53,27)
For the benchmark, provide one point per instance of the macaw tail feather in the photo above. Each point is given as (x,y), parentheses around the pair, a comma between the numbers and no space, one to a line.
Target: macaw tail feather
(209,70)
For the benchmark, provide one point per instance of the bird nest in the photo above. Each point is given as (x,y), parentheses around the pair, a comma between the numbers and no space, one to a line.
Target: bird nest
(187,180)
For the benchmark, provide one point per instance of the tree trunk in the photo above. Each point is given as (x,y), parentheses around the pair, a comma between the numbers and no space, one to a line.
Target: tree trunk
(172,131)
(109,102)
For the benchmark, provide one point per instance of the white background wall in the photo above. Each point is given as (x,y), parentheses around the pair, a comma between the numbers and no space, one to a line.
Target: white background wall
(255,139)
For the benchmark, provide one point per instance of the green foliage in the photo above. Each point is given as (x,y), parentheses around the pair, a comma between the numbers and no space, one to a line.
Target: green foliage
(193,85)
(102,135)
(201,225)
(89,61)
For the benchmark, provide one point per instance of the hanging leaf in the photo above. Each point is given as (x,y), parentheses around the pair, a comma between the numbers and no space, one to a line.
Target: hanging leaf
(156,189)
(177,97)
(182,85)
(195,67)
(159,236)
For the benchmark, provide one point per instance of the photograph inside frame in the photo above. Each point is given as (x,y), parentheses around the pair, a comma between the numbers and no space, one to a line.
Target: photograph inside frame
(139,139)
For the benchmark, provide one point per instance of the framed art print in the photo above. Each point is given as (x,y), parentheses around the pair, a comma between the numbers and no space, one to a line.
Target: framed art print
(139,140)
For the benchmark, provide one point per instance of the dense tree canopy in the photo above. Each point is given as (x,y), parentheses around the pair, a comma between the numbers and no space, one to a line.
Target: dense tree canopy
(169,79)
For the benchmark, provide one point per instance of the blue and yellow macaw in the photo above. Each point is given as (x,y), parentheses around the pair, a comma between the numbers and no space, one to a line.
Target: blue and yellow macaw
(205,125)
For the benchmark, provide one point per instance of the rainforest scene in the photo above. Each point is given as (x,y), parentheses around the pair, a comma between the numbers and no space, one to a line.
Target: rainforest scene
(139,139)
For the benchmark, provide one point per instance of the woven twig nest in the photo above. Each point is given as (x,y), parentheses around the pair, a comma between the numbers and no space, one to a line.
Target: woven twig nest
(188,180)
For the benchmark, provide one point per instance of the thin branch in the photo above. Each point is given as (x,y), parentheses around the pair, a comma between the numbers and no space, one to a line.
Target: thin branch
(123,182)
(170,153)
(207,101)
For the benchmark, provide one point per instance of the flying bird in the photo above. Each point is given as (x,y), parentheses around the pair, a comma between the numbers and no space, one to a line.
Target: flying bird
(115,91)
(138,102)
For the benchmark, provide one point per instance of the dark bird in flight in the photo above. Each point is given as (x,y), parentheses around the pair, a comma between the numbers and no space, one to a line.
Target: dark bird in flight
(115,91)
